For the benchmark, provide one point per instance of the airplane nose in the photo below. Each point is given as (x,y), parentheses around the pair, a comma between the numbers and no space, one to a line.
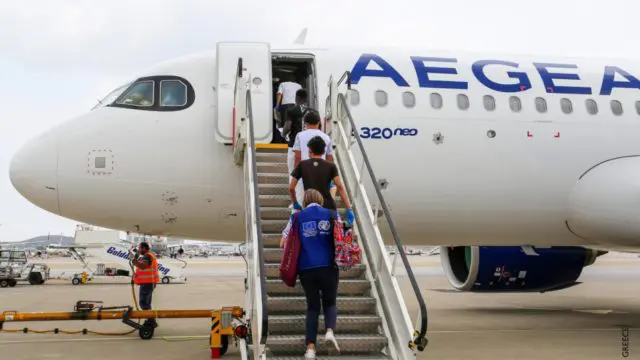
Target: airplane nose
(34,172)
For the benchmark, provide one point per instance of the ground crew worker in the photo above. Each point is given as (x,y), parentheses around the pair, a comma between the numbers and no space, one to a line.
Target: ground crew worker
(146,274)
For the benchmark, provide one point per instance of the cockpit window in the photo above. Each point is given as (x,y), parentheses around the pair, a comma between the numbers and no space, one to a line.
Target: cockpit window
(173,93)
(140,94)
(112,96)
(163,93)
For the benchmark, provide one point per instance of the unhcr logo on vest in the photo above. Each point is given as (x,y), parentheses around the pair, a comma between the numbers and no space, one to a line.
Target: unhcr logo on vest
(125,255)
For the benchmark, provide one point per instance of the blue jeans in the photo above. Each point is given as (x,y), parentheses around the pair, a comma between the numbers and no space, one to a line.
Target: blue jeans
(146,293)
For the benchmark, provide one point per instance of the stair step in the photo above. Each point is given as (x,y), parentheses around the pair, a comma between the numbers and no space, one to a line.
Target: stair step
(272,255)
(354,324)
(356,272)
(272,148)
(273,189)
(275,157)
(273,178)
(277,287)
(349,344)
(273,226)
(273,167)
(282,213)
(347,357)
(285,201)
(272,240)
(297,305)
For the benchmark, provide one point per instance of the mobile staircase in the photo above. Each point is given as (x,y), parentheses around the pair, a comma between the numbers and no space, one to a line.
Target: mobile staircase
(373,321)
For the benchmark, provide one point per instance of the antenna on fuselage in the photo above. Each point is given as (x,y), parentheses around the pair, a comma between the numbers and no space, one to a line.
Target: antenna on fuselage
(301,38)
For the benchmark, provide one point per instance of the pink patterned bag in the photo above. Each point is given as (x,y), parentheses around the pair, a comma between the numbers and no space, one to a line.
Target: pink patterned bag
(348,253)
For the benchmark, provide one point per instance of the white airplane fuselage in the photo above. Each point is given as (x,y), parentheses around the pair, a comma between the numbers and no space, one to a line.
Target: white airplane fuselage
(460,176)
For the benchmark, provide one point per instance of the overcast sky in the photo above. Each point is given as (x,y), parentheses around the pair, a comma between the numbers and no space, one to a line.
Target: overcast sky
(58,57)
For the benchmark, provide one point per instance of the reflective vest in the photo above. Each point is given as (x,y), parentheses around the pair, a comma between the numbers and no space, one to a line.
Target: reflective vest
(150,275)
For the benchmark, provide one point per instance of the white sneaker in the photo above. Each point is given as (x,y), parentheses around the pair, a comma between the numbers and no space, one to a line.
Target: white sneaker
(330,341)
(310,354)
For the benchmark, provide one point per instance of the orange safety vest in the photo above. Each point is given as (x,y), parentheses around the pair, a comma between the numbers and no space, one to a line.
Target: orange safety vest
(150,275)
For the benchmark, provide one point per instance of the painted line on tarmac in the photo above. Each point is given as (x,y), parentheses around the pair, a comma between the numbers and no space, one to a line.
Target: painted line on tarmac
(520,330)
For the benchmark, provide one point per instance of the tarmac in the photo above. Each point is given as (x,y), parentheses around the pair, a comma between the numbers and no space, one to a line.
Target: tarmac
(589,321)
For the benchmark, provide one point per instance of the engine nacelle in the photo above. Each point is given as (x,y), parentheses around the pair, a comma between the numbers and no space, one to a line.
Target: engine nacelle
(508,268)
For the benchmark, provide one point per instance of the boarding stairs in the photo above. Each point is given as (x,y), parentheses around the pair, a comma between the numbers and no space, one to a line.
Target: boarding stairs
(373,321)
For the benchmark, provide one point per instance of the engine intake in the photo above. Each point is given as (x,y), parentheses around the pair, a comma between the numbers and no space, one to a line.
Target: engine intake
(508,268)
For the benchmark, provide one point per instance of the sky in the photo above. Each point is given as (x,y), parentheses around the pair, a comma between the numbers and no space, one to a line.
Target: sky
(57,58)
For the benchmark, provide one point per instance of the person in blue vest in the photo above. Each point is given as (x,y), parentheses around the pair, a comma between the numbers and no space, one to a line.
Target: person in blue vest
(317,270)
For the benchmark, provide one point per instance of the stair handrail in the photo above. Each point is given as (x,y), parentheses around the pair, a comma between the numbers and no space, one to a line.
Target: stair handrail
(256,199)
(420,341)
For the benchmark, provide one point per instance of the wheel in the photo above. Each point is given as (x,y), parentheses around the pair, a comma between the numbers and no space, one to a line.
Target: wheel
(12,282)
(224,343)
(4,283)
(35,278)
(76,281)
(166,280)
(146,332)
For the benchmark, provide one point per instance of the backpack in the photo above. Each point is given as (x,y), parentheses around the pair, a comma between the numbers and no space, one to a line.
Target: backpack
(347,251)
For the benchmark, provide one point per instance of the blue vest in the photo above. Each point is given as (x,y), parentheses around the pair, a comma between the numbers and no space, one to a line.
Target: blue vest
(316,238)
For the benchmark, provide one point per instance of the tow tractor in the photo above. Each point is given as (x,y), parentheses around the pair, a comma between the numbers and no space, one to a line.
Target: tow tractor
(14,267)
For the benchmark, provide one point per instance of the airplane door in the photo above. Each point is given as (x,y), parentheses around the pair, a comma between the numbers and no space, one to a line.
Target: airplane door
(256,63)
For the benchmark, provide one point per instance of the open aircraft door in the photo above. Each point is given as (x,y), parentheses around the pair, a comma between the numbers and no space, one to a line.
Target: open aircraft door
(256,67)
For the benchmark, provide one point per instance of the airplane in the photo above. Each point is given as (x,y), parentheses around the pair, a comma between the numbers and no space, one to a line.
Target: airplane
(500,159)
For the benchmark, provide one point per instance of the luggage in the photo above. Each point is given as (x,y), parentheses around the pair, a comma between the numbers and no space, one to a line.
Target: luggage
(348,253)
(289,262)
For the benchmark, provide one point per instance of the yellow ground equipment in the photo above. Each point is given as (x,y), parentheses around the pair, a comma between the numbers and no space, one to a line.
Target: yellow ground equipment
(225,322)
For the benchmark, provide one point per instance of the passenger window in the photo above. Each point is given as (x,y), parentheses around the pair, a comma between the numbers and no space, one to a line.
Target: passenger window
(173,93)
(436,100)
(381,98)
(463,102)
(354,97)
(616,107)
(515,104)
(489,102)
(541,105)
(592,106)
(408,99)
(566,105)
(139,94)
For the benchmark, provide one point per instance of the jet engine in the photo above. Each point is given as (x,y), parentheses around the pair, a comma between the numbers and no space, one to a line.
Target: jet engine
(509,268)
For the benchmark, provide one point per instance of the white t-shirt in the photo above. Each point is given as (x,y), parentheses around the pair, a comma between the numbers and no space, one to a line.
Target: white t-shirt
(303,138)
(288,91)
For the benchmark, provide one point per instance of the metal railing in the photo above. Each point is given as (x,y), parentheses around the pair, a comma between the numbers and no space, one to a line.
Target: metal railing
(245,153)
(343,129)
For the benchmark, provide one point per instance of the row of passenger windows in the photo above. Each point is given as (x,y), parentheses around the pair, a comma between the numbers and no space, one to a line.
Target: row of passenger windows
(489,102)
(142,93)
